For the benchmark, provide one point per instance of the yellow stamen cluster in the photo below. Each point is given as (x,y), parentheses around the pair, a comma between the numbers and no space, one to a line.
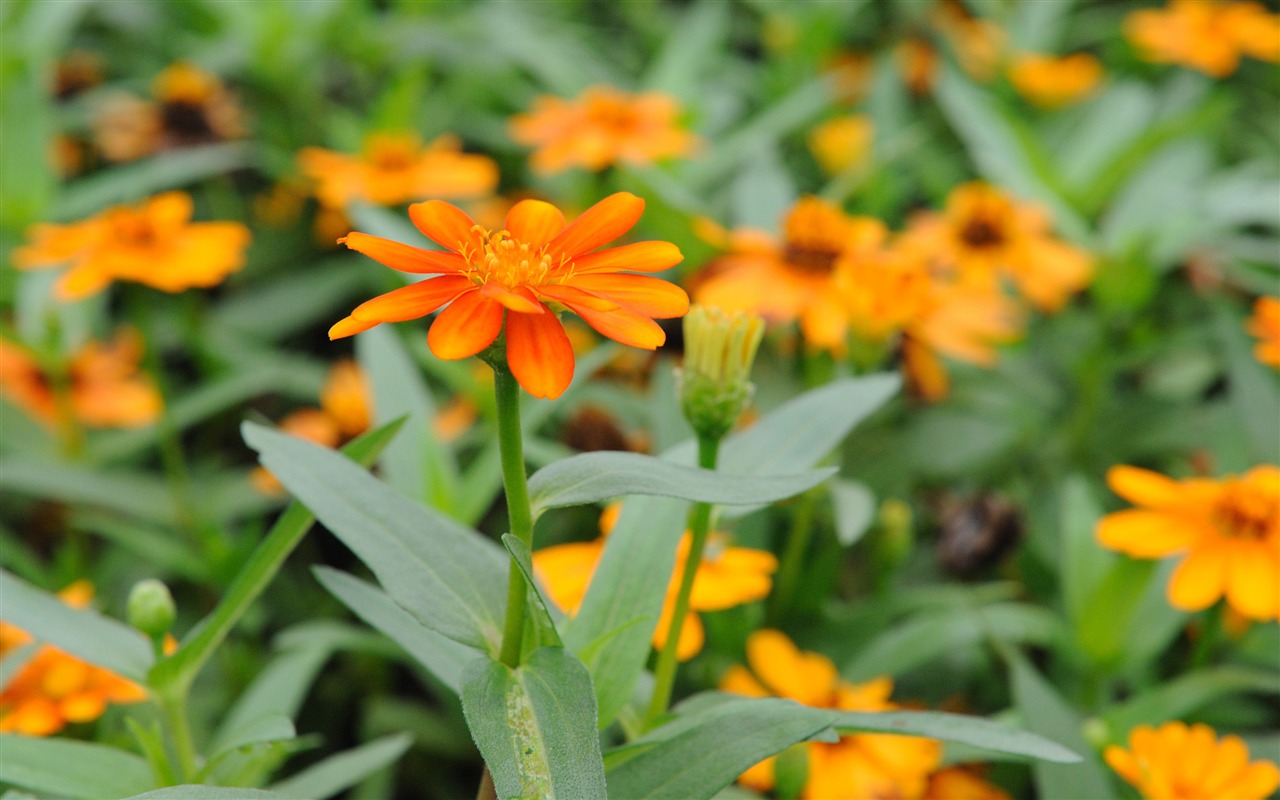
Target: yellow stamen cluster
(511,262)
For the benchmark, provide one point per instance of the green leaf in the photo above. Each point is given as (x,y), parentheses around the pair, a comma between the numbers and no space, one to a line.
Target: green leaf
(1254,392)
(190,792)
(1047,714)
(543,622)
(70,769)
(1084,561)
(438,654)
(137,495)
(975,731)
(449,577)
(340,772)
(271,309)
(536,726)
(269,728)
(692,46)
(855,508)
(592,477)
(277,690)
(702,751)
(84,633)
(1186,695)
(1103,627)
(182,667)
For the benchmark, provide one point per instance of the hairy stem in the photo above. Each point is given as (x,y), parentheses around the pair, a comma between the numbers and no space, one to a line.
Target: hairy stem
(514,480)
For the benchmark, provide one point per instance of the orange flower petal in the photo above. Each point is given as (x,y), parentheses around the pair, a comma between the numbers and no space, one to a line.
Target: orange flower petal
(349,326)
(737,680)
(534,222)
(623,325)
(1146,534)
(467,326)
(402,256)
(1198,580)
(807,678)
(520,299)
(1143,487)
(638,257)
(539,354)
(1253,580)
(445,224)
(602,223)
(652,297)
(572,297)
(412,301)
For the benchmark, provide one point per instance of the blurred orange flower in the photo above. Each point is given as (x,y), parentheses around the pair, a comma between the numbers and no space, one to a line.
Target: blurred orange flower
(154,243)
(984,234)
(397,168)
(977,43)
(346,409)
(602,127)
(842,142)
(536,264)
(105,386)
(1229,530)
(1053,82)
(963,322)
(727,577)
(53,688)
(858,767)
(1205,35)
(191,106)
(794,278)
(1177,761)
(955,783)
(1265,324)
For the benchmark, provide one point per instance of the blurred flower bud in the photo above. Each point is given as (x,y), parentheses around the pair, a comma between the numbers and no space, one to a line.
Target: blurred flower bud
(715,383)
(151,608)
(894,537)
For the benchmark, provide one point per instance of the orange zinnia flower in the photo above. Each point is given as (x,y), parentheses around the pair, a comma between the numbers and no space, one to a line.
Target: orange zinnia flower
(1180,762)
(603,126)
(795,278)
(346,404)
(859,766)
(538,263)
(190,107)
(1229,530)
(154,243)
(840,143)
(396,168)
(106,389)
(1205,35)
(727,577)
(984,234)
(1055,82)
(1265,324)
(53,688)
(962,322)
(955,783)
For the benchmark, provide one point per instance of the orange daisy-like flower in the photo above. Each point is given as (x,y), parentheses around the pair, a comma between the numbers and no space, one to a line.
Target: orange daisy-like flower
(1229,530)
(727,577)
(537,264)
(1265,324)
(601,127)
(396,168)
(1205,35)
(190,107)
(1055,82)
(106,389)
(859,766)
(796,277)
(962,322)
(1181,762)
(984,234)
(53,688)
(154,243)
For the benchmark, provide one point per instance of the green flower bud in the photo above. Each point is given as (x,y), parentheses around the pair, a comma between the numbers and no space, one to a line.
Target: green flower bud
(715,383)
(151,608)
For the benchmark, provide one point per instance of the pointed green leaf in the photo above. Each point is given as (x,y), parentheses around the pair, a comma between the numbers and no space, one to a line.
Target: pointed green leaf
(975,731)
(70,769)
(340,772)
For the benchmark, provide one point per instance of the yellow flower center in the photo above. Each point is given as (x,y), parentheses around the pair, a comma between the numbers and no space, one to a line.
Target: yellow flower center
(1244,512)
(511,262)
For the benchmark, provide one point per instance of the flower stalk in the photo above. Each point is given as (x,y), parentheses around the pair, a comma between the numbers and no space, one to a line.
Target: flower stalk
(511,447)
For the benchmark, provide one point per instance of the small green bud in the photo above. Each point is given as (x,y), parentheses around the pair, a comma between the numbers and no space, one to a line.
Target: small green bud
(715,384)
(1097,732)
(893,540)
(151,608)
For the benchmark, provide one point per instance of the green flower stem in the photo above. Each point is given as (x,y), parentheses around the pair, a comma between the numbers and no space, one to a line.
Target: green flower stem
(793,556)
(174,706)
(699,524)
(507,393)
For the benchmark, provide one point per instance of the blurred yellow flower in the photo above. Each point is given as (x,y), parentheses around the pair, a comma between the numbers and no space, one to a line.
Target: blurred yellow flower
(1180,762)
(727,577)
(1229,530)
(105,387)
(859,767)
(792,279)
(840,143)
(984,235)
(153,243)
(955,783)
(53,688)
(977,43)
(1205,35)
(602,127)
(964,322)
(1265,325)
(190,106)
(397,168)
(1053,82)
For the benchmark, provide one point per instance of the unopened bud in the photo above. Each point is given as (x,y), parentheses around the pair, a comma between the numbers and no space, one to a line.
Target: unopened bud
(151,608)
(716,381)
